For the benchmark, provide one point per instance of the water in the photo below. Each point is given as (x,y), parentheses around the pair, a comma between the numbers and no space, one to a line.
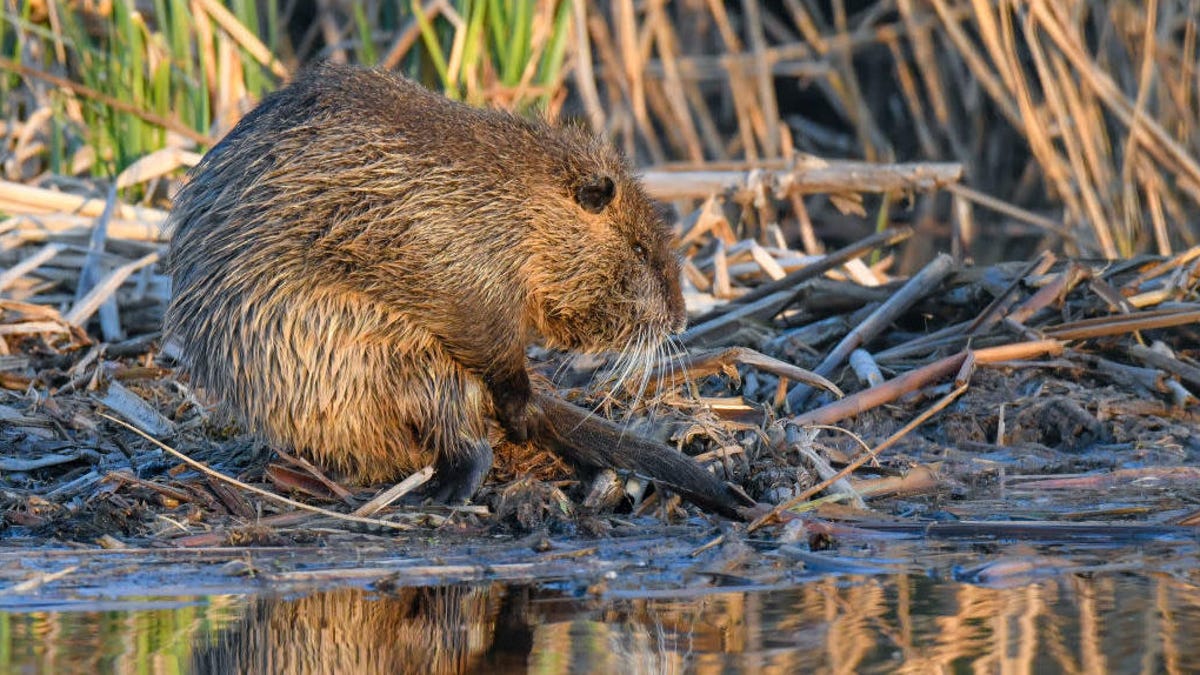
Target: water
(627,605)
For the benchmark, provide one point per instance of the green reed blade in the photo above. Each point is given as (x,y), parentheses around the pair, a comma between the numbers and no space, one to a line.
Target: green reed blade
(518,54)
(474,49)
(432,45)
(366,49)
(550,68)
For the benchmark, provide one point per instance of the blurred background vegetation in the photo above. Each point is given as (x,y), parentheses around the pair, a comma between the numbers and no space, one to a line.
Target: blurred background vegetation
(1081,117)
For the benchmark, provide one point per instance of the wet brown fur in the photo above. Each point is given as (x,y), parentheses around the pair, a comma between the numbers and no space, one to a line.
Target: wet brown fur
(360,264)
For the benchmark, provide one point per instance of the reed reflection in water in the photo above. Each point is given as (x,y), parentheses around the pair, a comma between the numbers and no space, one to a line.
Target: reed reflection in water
(901,623)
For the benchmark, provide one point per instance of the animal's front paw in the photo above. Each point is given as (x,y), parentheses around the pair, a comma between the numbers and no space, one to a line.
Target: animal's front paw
(521,420)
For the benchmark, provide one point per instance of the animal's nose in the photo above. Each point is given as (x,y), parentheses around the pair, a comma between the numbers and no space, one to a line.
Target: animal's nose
(679,322)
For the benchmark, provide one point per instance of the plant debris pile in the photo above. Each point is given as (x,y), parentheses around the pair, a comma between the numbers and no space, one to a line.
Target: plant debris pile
(959,383)
(878,383)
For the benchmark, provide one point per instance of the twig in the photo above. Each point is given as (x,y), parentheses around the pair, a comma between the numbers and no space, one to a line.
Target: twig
(243,36)
(889,237)
(202,468)
(893,389)
(1122,324)
(103,290)
(833,176)
(861,459)
(390,495)
(105,99)
(920,285)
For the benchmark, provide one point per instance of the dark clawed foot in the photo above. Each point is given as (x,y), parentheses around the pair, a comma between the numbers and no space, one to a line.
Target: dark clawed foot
(460,475)
(519,422)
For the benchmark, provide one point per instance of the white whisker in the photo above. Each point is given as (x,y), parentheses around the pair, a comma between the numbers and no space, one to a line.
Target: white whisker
(613,376)
(568,361)
(679,356)
(647,359)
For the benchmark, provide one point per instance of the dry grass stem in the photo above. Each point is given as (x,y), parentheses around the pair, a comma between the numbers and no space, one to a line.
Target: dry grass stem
(375,522)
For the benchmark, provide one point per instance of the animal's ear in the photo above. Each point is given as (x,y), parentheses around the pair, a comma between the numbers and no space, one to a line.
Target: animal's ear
(596,193)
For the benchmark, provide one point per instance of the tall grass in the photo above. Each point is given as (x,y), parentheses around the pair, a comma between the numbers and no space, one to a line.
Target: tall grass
(200,64)
(131,68)
(511,51)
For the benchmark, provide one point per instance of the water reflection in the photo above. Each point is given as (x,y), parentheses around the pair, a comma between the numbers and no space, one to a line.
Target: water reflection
(899,623)
(349,630)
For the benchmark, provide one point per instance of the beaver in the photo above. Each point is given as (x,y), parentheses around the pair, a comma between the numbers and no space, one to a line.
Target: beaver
(359,266)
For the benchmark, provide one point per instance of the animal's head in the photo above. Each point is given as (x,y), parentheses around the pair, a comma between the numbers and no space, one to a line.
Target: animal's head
(602,271)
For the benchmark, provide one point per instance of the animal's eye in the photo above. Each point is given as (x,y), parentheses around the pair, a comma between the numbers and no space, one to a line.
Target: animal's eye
(640,251)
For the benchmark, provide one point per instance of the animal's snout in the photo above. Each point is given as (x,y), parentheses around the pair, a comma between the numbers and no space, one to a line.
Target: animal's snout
(678,322)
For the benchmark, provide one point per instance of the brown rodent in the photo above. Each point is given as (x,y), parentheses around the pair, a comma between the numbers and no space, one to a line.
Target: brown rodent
(359,266)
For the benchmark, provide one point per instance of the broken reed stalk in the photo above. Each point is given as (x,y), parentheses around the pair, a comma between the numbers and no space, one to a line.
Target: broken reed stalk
(204,469)
(893,389)
(304,465)
(104,289)
(110,101)
(386,497)
(1037,531)
(1012,211)
(1174,262)
(1062,284)
(830,176)
(1182,475)
(996,311)
(39,257)
(993,312)
(38,580)
(245,38)
(695,366)
(1122,324)
(918,287)
(832,480)
(1186,372)
(869,454)
(90,272)
(715,322)
(17,198)
(156,165)
(889,237)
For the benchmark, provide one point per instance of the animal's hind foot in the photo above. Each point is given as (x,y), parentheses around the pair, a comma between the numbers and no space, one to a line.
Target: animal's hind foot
(459,474)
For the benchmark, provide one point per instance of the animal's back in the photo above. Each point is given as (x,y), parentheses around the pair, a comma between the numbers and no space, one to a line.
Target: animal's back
(318,181)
